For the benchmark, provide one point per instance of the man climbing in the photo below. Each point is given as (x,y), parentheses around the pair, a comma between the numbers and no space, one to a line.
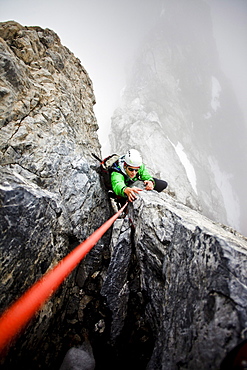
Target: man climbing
(128,169)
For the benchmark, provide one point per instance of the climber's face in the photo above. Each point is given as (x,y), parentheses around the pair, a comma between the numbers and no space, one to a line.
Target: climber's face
(132,171)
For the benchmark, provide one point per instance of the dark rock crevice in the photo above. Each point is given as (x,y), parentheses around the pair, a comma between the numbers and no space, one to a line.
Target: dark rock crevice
(129,340)
(109,311)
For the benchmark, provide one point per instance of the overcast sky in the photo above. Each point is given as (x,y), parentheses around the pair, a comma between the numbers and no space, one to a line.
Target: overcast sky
(104,35)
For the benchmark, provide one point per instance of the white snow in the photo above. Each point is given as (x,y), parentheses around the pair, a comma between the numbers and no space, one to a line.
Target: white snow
(216,90)
(187,165)
(230,199)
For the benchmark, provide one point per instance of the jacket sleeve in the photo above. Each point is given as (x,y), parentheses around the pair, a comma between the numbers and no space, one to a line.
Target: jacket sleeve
(144,174)
(118,183)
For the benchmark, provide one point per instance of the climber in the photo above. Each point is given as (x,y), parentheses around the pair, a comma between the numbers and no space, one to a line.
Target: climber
(127,170)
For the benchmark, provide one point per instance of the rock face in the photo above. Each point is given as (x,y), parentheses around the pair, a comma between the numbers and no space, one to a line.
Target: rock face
(189,278)
(51,195)
(178,109)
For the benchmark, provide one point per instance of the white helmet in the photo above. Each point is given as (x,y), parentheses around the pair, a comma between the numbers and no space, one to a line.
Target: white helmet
(133,158)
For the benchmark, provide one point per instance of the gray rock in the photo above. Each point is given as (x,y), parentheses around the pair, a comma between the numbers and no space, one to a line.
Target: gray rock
(193,273)
(190,283)
(51,195)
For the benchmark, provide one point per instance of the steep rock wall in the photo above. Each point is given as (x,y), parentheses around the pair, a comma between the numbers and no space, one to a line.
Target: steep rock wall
(51,195)
(188,278)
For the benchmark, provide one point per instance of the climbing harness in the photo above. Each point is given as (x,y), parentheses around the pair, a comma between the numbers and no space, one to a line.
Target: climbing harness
(19,314)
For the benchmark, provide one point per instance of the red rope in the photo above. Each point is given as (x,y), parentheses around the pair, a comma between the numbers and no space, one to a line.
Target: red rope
(20,313)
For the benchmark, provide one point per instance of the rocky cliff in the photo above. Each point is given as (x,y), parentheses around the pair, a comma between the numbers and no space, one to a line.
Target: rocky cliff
(167,290)
(51,195)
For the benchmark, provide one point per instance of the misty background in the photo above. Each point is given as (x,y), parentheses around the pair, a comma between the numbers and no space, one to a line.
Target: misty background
(110,36)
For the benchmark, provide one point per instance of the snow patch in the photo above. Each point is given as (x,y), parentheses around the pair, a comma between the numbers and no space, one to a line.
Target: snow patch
(230,199)
(216,90)
(187,165)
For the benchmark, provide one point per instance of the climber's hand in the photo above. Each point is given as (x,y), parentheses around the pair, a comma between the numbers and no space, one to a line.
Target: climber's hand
(131,193)
(149,185)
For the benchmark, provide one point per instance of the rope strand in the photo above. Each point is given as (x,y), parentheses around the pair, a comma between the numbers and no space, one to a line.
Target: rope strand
(21,312)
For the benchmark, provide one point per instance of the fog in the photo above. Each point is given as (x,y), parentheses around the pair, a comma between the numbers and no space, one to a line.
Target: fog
(106,36)
(102,34)
(230,28)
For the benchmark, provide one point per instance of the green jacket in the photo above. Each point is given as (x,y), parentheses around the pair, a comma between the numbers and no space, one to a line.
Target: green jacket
(120,181)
